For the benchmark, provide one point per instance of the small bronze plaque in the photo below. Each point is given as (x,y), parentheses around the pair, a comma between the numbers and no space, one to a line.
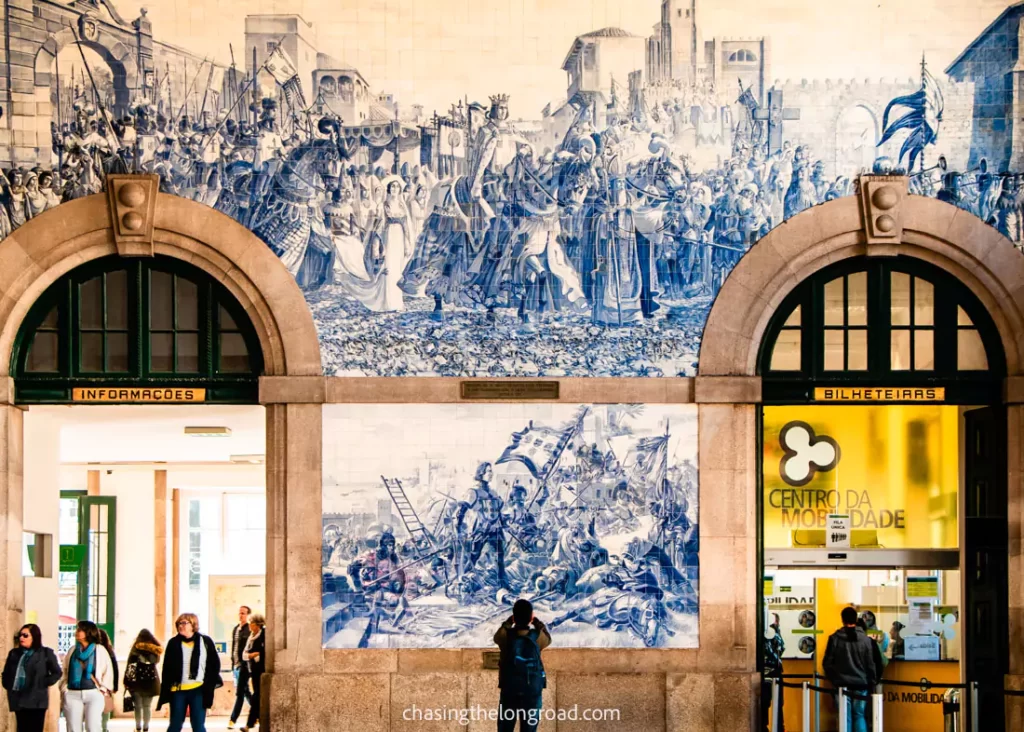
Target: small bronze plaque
(490,659)
(512,390)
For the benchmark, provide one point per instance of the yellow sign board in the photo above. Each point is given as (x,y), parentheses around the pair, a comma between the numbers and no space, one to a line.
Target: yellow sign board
(879,394)
(138,394)
(894,469)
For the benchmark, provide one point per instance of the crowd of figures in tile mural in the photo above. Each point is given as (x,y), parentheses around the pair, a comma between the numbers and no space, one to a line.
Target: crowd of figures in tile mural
(437,517)
(587,237)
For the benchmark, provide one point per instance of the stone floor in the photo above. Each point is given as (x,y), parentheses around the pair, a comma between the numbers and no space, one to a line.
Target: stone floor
(213,724)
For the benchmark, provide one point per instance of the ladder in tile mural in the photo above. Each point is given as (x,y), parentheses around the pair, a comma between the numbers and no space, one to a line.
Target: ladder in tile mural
(412,522)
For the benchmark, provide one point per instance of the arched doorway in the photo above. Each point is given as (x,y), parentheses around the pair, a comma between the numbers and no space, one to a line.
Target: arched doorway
(58,261)
(107,337)
(984,264)
(894,369)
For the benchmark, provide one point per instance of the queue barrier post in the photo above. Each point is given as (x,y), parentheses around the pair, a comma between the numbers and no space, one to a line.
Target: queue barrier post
(844,723)
(975,726)
(806,707)
(817,706)
(776,690)
(877,715)
(951,711)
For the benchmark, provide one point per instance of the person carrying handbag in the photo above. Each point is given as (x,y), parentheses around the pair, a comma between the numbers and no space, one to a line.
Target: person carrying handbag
(108,703)
(87,681)
(142,679)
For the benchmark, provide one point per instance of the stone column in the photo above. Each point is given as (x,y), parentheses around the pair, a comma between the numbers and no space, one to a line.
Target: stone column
(724,694)
(294,530)
(160,623)
(12,588)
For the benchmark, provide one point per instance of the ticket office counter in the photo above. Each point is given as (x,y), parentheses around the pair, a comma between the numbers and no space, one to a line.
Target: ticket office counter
(920,639)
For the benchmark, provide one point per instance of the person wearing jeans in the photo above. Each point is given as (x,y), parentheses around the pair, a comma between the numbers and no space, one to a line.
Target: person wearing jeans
(87,677)
(29,672)
(255,658)
(853,662)
(239,669)
(190,675)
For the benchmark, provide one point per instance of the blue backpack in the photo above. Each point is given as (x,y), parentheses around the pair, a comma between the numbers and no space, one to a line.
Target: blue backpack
(525,671)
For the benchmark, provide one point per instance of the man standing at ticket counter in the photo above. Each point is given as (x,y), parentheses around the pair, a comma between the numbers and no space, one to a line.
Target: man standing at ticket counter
(852,661)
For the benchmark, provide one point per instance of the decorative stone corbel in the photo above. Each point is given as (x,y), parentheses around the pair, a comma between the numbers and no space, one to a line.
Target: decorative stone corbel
(132,210)
(881,206)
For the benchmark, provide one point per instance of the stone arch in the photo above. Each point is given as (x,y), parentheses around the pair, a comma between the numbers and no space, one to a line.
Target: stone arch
(117,55)
(940,233)
(47,247)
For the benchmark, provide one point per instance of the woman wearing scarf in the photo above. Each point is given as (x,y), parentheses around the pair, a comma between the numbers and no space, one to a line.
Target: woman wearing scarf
(88,677)
(29,673)
(255,656)
(190,675)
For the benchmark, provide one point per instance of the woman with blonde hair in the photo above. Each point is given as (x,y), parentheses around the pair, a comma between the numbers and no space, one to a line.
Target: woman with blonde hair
(190,675)
(255,655)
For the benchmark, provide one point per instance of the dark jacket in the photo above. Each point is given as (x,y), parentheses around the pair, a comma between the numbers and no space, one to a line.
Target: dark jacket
(171,673)
(259,645)
(774,648)
(852,659)
(237,648)
(501,637)
(117,672)
(41,672)
(143,657)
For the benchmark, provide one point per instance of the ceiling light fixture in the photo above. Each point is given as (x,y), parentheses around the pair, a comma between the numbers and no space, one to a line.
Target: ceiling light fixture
(252,459)
(208,431)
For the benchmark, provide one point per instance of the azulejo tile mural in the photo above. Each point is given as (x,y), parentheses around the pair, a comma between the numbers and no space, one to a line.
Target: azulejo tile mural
(438,517)
(508,189)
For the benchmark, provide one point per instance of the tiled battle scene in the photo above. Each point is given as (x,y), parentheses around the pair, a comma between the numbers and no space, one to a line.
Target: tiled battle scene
(438,517)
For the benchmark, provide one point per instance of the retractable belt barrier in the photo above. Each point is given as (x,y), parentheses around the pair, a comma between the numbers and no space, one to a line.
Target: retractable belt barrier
(951,704)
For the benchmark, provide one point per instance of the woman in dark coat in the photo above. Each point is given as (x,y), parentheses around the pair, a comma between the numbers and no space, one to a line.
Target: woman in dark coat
(141,678)
(28,674)
(190,675)
(255,655)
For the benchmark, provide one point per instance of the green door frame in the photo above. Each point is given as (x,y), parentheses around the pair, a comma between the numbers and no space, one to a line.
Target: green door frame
(85,585)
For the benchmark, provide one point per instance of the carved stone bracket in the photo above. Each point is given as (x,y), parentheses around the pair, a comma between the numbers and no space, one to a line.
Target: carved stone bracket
(132,210)
(881,199)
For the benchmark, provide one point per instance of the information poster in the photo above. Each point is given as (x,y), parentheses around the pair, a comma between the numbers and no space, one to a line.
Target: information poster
(922,590)
(892,470)
(921,648)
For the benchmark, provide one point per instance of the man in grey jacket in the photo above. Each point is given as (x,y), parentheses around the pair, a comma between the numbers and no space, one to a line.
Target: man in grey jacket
(852,661)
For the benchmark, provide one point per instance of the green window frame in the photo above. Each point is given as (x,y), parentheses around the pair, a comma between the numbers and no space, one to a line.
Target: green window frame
(97,586)
(143,322)
(885,321)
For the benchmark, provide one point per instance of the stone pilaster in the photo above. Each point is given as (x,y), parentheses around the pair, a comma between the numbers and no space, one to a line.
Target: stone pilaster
(728,537)
(294,503)
(12,588)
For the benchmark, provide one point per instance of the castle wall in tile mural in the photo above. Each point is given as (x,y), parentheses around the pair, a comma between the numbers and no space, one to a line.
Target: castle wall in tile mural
(438,517)
(510,188)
